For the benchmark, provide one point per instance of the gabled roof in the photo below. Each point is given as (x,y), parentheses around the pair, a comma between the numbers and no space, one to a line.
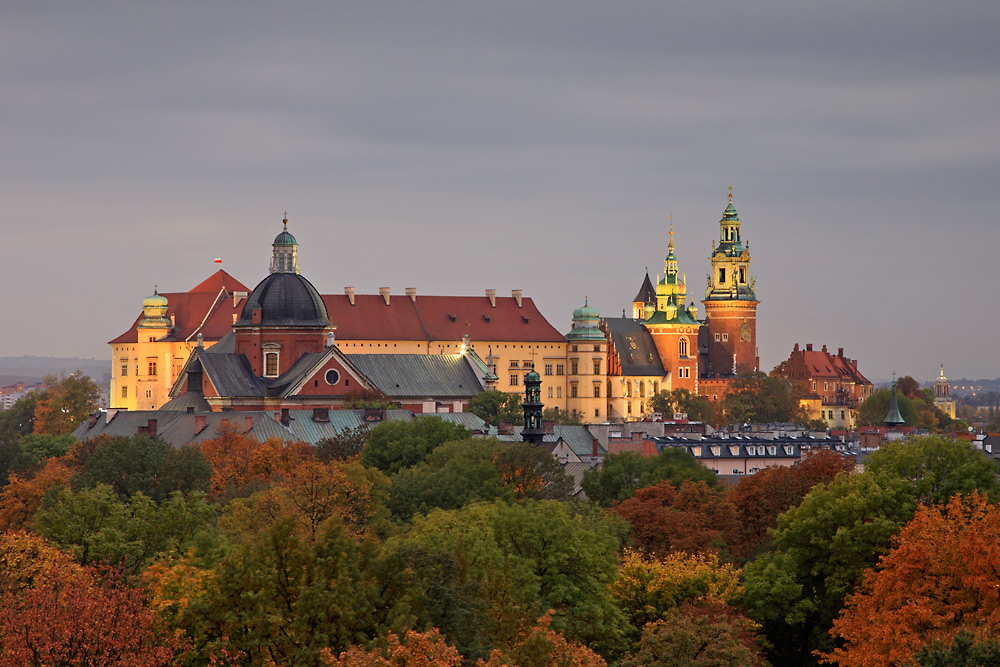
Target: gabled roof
(634,346)
(438,318)
(207,308)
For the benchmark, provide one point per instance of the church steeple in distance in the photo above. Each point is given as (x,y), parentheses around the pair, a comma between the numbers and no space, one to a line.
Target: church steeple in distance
(534,430)
(286,252)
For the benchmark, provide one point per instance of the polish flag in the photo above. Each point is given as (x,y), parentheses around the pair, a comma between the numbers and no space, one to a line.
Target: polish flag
(218,260)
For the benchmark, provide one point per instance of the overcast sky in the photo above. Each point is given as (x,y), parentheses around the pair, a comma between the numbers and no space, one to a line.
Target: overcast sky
(460,146)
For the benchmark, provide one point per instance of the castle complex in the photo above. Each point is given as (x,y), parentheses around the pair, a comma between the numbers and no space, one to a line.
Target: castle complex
(602,369)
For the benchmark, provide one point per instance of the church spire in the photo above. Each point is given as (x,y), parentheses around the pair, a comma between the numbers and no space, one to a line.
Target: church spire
(893,418)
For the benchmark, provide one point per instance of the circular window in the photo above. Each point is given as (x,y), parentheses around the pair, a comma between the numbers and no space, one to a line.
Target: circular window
(332,376)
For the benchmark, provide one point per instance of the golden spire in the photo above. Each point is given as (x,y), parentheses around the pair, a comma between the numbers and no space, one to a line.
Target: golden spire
(730,194)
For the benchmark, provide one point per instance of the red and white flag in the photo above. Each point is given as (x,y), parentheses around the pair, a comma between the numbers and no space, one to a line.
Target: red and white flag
(218,260)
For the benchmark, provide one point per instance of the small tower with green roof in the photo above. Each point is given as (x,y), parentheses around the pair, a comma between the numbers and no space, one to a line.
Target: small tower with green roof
(286,252)
(893,418)
(534,430)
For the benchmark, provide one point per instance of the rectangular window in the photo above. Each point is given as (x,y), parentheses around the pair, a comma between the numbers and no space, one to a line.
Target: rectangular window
(725,337)
(559,369)
(574,368)
(528,364)
(124,367)
(572,390)
(550,392)
(152,368)
(558,392)
(514,363)
(718,337)
(722,275)
(576,348)
(124,392)
(513,379)
(597,348)
(271,364)
(548,369)
(149,394)
(825,386)
(597,368)
(642,390)
(597,390)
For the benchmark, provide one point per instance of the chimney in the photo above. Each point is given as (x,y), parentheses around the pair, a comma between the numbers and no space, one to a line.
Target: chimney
(505,428)
(516,293)
(151,428)
(200,422)
(201,339)
(412,293)
(384,291)
(548,426)
(491,294)
(809,347)
(247,423)
(349,291)
(840,352)
(824,348)
(796,348)
(285,419)
(321,414)
(92,420)
(190,410)
(596,445)
(330,339)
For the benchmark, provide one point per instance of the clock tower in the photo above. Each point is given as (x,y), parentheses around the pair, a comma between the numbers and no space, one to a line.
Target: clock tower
(730,302)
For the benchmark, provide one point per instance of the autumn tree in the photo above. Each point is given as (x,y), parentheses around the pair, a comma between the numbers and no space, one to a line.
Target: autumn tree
(531,472)
(707,634)
(541,646)
(241,465)
(758,499)
(22,496)
(72,617)
(417,649)
(647,588)
(394,445)
(940,577)
(65,403)
(621,474)
(693,517)
(140,464)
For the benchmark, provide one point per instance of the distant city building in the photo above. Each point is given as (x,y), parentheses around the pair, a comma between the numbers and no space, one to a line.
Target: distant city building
(942,395)
(831,385)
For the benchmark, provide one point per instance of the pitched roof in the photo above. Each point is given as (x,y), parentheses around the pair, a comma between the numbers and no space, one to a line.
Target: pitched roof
(438,318)
(643,358)
(419,375)
(207,308)
(646,293)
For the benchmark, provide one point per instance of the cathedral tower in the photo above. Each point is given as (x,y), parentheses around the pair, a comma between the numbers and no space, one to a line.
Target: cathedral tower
(730,302)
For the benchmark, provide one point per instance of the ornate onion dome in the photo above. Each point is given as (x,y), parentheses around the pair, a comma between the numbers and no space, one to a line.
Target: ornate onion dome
(586,323)
(154,312)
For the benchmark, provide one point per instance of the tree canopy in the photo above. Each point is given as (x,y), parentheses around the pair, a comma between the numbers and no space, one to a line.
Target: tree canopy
(394,445)
(622,474)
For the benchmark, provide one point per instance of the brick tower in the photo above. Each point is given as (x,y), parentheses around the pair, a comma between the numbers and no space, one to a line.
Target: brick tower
(730,302)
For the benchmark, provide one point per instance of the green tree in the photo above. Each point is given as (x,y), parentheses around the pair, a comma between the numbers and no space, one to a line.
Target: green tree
(964,650)
(917,409)
(760,398)
(697,408)
(530,557)
(280,597)
(97,526)
(497,406)
(147,465)
(15,423)
(65,403)
(936,467)
(35,449)
(395,445)
(347,444)
(621,474)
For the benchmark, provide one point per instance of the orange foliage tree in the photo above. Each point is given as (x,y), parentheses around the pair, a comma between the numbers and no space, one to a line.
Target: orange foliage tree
(27,559)
(242,465)
(758,499)
(420,649)
(541,646)
(941,576)
(664,518)
(22,496)
(72,617)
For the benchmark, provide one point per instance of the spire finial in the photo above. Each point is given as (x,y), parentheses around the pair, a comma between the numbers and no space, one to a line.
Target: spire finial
(671,229)
(156,290)
(730,194)
(586,300)
(284,220)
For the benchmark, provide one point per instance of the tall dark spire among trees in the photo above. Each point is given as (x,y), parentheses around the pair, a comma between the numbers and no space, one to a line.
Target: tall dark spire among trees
(534,430)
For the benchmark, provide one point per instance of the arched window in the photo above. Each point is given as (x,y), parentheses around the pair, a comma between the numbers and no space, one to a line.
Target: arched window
(682,347)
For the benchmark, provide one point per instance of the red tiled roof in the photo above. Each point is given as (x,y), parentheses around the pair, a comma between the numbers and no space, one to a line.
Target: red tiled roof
(191,308)
(438,318)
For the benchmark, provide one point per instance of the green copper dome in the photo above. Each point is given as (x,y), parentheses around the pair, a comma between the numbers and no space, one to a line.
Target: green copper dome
(532,376)
(285,238)
(730,213)
(586,312)
(154,301)
(154,312)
